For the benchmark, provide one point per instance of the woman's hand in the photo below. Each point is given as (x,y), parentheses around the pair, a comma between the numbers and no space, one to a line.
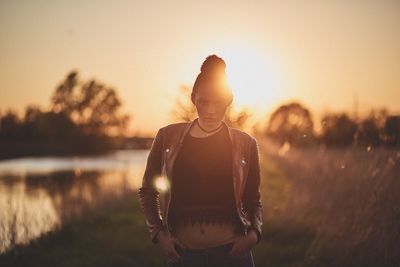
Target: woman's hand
(167,243)
(243,244)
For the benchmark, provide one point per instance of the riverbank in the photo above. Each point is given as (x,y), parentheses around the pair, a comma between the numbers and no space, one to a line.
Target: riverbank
(116,234)
(69,146)
(113,235)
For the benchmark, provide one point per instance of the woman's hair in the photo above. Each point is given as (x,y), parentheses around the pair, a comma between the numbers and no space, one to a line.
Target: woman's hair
(212,68)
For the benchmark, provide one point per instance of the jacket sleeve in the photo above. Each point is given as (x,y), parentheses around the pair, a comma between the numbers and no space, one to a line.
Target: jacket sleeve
(148,194)
(251,201)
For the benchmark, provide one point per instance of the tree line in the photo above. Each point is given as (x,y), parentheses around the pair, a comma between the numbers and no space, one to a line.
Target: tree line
(85,117)
(292,123)
(81,118)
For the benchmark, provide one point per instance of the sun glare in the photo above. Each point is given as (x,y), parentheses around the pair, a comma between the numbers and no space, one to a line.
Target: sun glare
(254,78)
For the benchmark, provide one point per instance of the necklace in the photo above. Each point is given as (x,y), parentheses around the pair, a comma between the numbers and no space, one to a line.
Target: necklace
(208,132)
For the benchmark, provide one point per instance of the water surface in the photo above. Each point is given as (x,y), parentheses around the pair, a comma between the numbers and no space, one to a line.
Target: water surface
(38,194)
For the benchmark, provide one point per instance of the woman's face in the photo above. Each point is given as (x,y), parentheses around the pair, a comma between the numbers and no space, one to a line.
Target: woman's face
(211,105)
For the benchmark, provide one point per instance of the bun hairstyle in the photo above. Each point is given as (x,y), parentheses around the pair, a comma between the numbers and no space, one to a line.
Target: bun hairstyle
(212,68)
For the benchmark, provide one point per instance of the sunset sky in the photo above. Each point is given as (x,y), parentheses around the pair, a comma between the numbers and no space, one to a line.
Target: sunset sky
(324,54)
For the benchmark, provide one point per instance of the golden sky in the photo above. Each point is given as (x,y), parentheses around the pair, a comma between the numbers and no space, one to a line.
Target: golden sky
(325,54)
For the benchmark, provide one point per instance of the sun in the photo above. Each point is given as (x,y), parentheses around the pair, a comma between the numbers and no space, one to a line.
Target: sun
(254,78)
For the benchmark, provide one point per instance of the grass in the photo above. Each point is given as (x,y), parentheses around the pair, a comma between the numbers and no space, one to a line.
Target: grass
(349,197)
(117,235)
(312,218)
(114,236)
(284,244)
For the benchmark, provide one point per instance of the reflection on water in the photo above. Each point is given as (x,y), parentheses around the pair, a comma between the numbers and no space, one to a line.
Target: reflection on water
(39,194)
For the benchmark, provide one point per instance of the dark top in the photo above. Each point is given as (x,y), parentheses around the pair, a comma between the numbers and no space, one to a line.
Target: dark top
(202,188)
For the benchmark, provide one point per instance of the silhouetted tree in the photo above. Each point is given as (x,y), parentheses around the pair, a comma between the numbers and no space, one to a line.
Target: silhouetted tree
(291,123)
(368,132)
(184,110)
(338,130)
(379,116)
(9,124)
(31,113)
(30,118)
(82,118)
(65,97)
(55,125)
(392,130)
(93,106)
(237,119)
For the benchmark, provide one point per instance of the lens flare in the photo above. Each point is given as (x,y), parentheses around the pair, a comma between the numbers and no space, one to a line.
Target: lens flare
(161,183)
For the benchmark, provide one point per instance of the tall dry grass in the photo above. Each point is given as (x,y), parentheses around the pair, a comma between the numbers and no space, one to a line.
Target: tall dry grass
(349,196)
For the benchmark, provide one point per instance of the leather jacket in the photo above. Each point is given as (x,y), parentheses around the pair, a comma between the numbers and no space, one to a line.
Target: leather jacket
(154,200)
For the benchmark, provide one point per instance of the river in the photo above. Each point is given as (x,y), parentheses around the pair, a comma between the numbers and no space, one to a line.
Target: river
(38,194)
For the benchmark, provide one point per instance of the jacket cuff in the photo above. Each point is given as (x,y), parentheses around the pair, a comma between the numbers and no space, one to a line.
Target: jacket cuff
(154,235)
(258,232)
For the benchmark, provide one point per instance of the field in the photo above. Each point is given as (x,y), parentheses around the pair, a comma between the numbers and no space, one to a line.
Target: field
(322,207)
(348,197)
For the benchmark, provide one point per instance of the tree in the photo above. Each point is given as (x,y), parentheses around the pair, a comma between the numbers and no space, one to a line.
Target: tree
(338,130)
(93,106)
(392,130)
(184,110)
(368,132)
(237,119)
(9,124)
(291,123)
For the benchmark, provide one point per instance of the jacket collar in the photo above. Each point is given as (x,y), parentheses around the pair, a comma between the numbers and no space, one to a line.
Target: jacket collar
(189,125)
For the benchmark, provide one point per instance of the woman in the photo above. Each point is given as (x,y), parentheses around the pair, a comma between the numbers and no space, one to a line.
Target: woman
(210,213)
